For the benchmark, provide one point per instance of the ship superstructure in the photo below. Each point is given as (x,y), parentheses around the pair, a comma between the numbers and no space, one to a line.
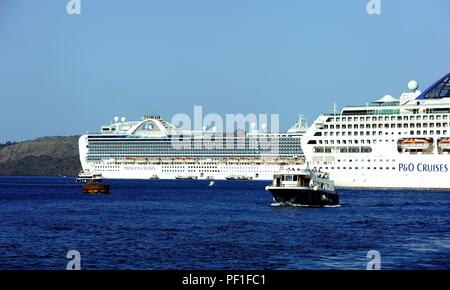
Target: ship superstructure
(389,143)
(153,148)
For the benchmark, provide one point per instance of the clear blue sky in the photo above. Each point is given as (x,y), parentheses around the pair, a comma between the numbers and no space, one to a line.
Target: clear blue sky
(63,75)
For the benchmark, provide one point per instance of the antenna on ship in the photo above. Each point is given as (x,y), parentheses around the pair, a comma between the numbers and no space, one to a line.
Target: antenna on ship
(334,108)
(413,86)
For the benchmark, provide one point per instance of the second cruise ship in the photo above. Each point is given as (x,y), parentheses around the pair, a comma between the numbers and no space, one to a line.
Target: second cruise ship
(390,143)
(153,148)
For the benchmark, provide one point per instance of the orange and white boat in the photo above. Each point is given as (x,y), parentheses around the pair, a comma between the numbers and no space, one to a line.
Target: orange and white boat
(444,143)
(416,144)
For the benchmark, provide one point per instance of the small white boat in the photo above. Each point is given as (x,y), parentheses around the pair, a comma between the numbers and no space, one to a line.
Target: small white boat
(186,177)
(211,183)
(88,177)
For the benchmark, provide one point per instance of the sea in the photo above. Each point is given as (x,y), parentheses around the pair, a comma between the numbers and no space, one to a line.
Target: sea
(186,224)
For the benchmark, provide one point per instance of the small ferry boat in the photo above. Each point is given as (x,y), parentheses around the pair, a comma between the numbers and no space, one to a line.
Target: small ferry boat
(304,188)
(92,183)
(186,177)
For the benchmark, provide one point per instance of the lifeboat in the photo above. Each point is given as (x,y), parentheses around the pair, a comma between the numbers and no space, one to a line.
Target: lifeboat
(444,144)
(416,144)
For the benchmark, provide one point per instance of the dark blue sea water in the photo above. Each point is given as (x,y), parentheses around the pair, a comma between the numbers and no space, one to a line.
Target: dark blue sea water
(188,225)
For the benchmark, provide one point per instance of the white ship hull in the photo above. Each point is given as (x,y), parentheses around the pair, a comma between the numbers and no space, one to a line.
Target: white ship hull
(384,167)
(419,172)
(184,171)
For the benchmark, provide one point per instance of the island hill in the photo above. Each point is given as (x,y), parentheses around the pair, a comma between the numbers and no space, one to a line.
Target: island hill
(46,156)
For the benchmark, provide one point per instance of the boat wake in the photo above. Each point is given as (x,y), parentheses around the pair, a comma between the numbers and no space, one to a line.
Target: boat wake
(289,204)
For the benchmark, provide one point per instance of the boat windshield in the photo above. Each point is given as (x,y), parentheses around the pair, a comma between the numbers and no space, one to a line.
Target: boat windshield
(288,178)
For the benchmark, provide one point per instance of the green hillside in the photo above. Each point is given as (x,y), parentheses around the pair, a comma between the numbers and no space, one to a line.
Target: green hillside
(46,156)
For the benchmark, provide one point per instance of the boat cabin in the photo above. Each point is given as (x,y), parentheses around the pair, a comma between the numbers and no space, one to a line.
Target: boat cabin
(291,180)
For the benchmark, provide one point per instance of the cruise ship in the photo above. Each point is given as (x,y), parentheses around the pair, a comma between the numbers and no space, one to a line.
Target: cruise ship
(388,143)
(153,148)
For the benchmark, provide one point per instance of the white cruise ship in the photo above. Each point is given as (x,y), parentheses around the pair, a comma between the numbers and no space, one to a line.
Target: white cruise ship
(155,149)
(389,143)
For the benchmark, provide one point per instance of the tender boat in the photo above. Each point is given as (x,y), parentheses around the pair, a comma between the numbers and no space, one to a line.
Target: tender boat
(186,177)
(92,183)
(86,176)
(304,188)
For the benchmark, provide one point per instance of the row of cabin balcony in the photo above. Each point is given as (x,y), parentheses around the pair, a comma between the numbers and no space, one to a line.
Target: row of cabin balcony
(385,126)
(387,118)
(396,111)
(380,133)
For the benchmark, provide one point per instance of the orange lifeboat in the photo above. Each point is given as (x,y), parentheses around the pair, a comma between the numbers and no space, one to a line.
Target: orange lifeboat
(444,143)
(416,144)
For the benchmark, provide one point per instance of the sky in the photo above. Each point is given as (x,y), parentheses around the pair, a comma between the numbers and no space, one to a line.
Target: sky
(64,74)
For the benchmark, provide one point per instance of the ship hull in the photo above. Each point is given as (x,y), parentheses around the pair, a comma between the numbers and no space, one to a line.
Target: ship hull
(304,196)
(395,171)
(189,171)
